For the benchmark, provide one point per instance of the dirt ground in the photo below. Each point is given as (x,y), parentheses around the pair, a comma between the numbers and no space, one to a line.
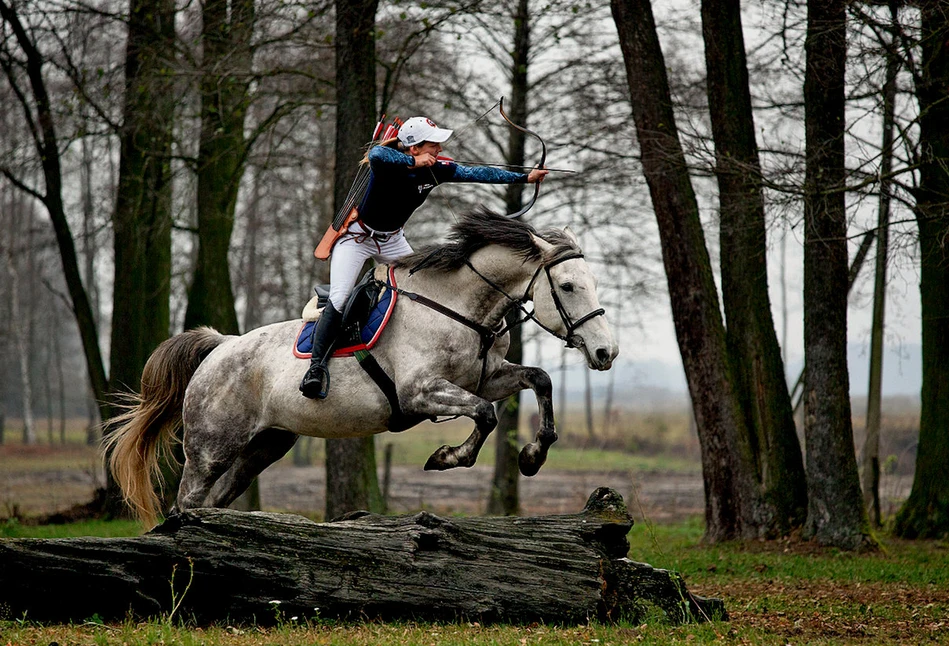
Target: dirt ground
(658,497)
(662,497)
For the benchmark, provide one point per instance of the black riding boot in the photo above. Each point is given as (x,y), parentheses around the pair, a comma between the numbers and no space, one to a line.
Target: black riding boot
(316,381)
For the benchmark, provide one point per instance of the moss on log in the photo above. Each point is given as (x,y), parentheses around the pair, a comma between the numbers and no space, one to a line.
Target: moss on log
(221,565)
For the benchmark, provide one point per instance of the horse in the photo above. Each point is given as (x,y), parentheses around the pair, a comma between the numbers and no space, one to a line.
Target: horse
(234,401)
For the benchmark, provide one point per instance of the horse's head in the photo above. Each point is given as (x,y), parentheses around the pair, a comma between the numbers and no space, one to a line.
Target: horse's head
(565,300)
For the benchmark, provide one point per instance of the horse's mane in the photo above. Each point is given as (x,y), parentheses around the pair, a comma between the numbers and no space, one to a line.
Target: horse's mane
(477,229)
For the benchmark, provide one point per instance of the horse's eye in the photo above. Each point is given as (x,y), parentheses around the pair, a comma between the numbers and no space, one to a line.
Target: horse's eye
(566,287)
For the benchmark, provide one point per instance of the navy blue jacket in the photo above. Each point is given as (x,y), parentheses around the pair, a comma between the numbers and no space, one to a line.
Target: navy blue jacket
(396,189)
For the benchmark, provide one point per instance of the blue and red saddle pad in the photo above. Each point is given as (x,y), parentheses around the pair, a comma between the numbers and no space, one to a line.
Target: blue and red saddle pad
(352,341)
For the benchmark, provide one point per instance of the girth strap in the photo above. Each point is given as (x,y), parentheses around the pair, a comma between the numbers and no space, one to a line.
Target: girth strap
(399,421)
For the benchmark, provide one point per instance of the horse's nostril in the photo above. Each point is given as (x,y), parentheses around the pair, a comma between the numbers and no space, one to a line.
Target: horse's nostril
(602,355)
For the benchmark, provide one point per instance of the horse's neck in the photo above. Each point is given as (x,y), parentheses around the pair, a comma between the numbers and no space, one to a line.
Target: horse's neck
(467,293)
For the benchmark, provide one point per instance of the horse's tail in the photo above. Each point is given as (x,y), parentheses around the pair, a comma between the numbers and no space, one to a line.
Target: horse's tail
(149,421)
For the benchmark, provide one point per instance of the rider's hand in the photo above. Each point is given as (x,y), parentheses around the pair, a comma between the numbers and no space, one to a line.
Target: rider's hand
(537,175)
(424,159)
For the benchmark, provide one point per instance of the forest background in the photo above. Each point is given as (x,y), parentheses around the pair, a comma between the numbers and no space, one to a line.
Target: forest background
(167,164)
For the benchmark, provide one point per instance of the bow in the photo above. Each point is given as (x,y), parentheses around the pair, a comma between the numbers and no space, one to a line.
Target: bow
(543,158)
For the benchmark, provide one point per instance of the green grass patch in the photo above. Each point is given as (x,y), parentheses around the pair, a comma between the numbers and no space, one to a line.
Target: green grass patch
(107,528)
(679,547)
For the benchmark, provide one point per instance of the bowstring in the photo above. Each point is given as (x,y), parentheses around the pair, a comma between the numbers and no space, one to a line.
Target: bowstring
(457,133)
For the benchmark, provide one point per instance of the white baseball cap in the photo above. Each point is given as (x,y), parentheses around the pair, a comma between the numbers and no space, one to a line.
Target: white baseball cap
(418,130)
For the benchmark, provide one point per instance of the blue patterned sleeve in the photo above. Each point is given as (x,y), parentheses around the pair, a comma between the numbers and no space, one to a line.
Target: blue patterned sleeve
(385,156)
(487,175)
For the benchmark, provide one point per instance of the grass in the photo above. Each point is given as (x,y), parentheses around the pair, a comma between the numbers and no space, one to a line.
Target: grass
(780,592)
(11,528)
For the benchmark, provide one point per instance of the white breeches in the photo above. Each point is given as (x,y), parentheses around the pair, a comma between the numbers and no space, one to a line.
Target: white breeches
(350,254)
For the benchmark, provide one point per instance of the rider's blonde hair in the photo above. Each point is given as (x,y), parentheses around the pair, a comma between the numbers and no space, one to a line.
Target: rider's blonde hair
(391,143)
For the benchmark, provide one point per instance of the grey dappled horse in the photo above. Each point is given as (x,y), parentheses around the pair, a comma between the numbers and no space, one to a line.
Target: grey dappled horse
(236,397)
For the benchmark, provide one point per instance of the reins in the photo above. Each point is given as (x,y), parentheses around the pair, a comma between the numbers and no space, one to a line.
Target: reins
(488,336)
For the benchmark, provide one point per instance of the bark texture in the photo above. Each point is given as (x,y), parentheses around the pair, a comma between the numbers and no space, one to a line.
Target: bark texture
(835,515)
(504,498)
(231,566)
(225,77)
(731,494)
(351,480)
(142,217)
(926,512)
(756,363)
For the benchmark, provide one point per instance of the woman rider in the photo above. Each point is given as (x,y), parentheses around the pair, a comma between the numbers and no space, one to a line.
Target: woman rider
(403,171)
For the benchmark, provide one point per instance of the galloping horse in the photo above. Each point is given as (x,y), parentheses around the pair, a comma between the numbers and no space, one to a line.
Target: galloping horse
(237,398)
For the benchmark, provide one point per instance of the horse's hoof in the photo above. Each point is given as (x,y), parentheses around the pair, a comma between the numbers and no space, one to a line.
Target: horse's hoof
(531,459)
(439,460)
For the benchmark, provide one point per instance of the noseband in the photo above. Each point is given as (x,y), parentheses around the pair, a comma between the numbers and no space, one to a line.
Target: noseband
(572,340)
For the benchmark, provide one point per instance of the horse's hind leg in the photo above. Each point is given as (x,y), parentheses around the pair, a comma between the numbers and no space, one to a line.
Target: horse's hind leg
(439,396)
(265,448)
(209,453)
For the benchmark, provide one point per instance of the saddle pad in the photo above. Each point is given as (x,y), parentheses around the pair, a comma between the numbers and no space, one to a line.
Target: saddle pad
(368,336)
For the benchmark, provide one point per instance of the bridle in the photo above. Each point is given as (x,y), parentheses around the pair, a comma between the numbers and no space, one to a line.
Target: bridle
(489,336)
(571,339)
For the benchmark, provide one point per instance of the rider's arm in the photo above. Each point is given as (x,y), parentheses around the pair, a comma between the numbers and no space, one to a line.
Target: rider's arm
(386,157)
(485,175)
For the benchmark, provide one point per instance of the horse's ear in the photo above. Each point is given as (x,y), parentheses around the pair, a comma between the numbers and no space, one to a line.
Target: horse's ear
(545,248)
(570,234)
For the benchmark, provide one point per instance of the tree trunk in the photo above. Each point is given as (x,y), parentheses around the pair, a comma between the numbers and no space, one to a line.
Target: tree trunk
(141,222)
(142,217)
(21,340)
(222,565)
(870,475)
(351,479)
(252,213)
(926,512)
(225,78)
(227,29)
(756,363)
(835,515)
(504,497)
(731,495)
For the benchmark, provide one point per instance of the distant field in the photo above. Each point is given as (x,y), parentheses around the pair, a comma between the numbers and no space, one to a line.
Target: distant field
(651,455)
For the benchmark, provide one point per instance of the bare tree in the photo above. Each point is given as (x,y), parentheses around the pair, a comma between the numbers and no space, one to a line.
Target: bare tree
(757,368)
(227,31)
(142,217)
(351,479)
(24,70)
(836,515)
(20,326)
(926,513)
(870,474)
(731,495)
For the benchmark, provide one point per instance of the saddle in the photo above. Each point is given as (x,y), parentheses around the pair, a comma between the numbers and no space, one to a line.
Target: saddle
(365,316)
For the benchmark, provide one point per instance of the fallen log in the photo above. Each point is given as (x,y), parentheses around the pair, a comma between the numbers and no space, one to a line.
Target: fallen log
(213,565)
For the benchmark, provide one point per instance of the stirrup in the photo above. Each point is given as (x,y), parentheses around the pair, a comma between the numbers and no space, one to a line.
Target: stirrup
(316,382)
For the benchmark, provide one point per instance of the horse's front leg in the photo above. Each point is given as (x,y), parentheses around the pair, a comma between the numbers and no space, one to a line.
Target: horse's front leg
(511,378)
(439,397)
